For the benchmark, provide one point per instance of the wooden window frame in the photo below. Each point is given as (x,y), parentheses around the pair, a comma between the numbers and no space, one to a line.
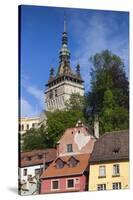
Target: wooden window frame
(52,184)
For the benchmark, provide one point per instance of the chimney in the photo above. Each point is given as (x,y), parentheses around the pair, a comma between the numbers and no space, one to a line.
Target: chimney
(79,124)
(96,126)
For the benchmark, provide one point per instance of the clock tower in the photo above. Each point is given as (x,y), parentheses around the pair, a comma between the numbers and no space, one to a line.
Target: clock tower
(62,84)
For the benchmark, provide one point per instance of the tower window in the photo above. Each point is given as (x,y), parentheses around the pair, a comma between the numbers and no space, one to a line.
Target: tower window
(55,93)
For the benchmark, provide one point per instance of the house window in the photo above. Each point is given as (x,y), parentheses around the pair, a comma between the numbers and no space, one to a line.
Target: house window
(33,125)
(59,163)
(19,128)
(102,171)
(29,158)
(101,187)
(55,185)
(25,172)
(40,156)
(27,126)
(116,170)
(22,127)
(37,172)
(72,162)
(69,148)
(70,183)
(116,186)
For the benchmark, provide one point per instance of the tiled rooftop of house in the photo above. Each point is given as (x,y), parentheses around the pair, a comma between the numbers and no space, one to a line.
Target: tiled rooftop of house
(67,165)
(111,146)
(36,157)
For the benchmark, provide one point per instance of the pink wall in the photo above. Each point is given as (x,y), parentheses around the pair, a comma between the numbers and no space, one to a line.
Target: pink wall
(78,186)
(69,138)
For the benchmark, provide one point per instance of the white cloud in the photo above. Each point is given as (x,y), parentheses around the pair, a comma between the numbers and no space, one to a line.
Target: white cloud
(27,110)
(33,90)
(36,93)
(32,100)
(96,34)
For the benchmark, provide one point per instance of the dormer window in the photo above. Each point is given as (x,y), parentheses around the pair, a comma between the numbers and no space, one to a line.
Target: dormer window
(59,163)
(116,150)
(73,162)
(69,148)
(29,158)
(40,156)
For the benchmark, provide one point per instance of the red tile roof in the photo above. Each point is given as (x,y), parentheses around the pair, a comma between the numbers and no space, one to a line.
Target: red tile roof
(53,171)
(36,157)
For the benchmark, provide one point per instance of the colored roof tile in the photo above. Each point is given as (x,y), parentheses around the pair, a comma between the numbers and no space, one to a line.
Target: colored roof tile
(53,171)
(36,157)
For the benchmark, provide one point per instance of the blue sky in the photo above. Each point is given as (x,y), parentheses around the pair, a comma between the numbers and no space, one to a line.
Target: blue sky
(89,32)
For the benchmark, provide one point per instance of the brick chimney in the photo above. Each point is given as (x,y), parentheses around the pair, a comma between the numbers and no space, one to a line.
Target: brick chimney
(96,126)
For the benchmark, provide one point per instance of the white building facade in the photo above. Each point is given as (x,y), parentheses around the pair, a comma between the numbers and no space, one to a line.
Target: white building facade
(27,123)
(31,166)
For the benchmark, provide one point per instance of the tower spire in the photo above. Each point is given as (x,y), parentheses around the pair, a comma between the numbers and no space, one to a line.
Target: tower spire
(64,53)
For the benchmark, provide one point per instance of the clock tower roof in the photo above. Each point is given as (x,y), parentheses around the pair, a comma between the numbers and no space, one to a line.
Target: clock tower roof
(64,71)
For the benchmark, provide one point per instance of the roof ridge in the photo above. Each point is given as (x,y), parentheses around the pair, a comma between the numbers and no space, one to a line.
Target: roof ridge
(112,132)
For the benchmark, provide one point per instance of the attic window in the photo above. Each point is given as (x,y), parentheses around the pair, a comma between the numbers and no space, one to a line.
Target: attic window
(40,156)
(116,150)
(59,163)
(72,162)
(29,158)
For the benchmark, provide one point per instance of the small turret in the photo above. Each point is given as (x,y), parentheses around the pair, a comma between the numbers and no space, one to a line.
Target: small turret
(51,73)
(78,70)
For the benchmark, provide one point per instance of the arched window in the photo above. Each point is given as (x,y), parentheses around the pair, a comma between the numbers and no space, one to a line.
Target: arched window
(22,127)
(27,126)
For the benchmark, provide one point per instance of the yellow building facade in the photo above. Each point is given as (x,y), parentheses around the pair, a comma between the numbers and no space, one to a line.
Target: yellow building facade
(111,179)
(27,123)
(109,162)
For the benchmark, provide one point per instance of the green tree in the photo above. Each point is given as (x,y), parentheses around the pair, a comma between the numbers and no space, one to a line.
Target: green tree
(57,122)
(109,95)
(35,139)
